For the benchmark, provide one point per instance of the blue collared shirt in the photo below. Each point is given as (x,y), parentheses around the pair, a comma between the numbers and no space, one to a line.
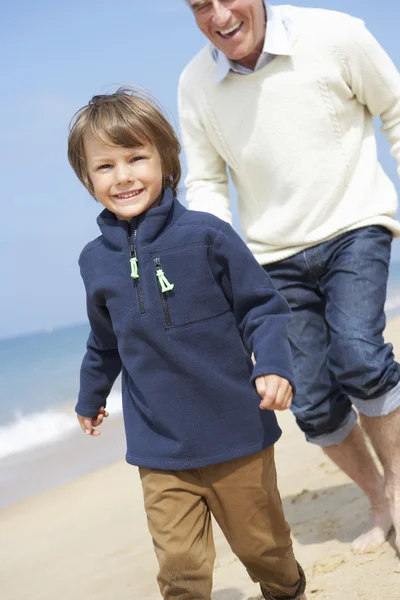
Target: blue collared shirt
(277,43)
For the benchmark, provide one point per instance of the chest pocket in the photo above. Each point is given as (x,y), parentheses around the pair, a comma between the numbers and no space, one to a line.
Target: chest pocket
(188,292)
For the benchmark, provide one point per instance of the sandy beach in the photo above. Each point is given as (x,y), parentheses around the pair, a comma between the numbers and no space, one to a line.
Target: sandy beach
(88,538)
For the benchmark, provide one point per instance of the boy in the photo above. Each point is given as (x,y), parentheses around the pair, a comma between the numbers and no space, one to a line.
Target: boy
(178,303)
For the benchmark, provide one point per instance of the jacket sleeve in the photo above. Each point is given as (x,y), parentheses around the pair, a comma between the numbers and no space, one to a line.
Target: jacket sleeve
(207,179)
(260,311)
(373,78)
(101,364)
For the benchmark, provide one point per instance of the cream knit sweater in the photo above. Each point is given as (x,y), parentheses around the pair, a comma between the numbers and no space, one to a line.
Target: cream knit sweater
(297,136)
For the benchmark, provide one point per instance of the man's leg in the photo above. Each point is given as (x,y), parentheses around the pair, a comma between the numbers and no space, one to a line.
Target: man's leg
(180,524)
(243,496)
(354,285)
(323,412)
(354,458)
(384,433)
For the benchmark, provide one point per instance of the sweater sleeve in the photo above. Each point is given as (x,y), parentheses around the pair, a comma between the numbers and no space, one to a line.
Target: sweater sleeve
(260,311)
(207,180)
(374,79)
(101,364)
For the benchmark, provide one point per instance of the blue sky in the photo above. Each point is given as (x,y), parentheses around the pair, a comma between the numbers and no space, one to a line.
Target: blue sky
(54,57)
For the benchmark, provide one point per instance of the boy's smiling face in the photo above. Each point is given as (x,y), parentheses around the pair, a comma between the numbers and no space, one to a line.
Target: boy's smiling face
(127,181)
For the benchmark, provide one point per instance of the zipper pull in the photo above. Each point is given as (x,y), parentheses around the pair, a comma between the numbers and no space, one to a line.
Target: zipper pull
(134,261)
(134,268)
(165,285)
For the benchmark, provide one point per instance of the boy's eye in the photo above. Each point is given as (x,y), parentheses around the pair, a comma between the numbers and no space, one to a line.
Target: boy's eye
(136,158)
(102,167)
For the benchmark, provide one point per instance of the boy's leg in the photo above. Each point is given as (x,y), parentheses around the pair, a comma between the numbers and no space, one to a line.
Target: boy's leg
(180,524)
(243,496)
(363,364)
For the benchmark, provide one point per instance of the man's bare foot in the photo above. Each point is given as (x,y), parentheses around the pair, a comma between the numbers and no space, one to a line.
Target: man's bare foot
(393,493)
(380,526)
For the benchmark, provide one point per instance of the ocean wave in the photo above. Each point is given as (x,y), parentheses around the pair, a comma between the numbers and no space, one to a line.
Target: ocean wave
(26,432)
(393,304)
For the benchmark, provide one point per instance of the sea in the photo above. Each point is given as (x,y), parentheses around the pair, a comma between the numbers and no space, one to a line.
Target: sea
(39,380)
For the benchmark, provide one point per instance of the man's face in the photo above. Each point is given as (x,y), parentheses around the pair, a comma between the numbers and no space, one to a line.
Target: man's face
(236,27)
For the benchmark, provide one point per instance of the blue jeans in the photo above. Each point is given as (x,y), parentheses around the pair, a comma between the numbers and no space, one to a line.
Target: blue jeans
(337,292)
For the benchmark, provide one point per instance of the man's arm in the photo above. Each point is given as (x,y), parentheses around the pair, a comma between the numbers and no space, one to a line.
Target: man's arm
(373,78)
(207,179)
(260,311)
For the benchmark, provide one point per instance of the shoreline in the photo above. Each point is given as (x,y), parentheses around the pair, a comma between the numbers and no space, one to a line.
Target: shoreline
(392,315)
(23,476)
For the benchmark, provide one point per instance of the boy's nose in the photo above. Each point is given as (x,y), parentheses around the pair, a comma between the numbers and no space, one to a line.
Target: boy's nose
(123,174)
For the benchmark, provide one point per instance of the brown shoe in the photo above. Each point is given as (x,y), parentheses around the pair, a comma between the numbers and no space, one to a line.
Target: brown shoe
(300,590)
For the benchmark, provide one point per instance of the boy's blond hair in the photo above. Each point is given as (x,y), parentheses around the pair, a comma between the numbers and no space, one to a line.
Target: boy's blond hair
(128,118)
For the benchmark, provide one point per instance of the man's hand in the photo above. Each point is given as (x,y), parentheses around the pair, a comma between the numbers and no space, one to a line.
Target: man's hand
(88,423)
(275,392)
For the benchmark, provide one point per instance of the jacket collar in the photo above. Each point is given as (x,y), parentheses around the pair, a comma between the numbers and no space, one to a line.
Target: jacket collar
(148,225)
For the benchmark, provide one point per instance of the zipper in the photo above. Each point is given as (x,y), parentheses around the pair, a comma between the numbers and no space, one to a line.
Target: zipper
(164,287)
(135,272)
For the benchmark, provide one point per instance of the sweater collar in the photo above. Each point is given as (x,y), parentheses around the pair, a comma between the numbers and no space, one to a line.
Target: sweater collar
(147,225)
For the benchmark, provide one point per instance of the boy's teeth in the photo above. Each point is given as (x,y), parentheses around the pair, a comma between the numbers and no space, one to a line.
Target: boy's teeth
(230,30)
(125,196)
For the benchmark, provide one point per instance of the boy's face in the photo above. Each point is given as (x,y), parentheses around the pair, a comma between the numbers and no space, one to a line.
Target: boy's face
(127,181)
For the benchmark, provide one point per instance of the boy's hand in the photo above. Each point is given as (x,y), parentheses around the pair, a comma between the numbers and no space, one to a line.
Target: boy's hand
(275,392)
(88,423)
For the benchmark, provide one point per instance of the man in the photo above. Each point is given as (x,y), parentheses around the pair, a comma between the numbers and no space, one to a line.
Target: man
(284,98)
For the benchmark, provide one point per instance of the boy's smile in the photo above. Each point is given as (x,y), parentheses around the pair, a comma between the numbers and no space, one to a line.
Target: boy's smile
(127,181)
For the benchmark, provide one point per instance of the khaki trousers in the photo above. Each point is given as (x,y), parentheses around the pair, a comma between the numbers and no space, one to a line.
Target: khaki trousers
(242,495)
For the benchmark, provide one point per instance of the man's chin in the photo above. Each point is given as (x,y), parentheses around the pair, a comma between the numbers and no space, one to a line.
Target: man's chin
(236,54)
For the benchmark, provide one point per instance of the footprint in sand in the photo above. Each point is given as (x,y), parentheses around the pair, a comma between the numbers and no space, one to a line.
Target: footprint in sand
(303,496)
(327,565)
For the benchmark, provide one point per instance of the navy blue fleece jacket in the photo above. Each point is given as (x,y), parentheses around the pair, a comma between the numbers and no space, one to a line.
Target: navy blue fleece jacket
(177,301)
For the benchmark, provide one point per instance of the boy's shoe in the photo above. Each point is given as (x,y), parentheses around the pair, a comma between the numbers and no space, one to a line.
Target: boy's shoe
(300,591)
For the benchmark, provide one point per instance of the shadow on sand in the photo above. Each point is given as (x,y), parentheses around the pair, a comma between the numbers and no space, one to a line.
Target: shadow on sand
(330,513)
(233,594)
